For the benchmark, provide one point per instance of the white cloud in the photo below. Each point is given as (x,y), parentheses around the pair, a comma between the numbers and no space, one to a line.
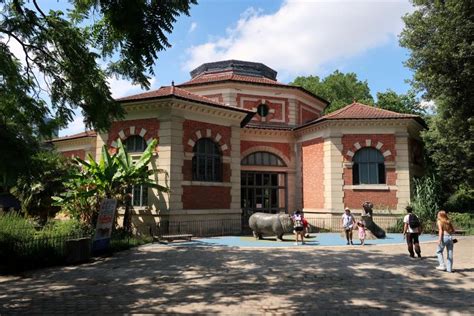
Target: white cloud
(123,88)
(192,27)
(304,35)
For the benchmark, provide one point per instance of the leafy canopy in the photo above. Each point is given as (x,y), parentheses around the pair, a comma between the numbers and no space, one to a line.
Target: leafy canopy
(440,37)
(61,53)
(338,88)
(59,69)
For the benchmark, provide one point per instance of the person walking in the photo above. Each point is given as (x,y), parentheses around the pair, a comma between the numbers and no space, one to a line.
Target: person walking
(411,231)
(445,240)
(298,228)
(348,223)
(362,235)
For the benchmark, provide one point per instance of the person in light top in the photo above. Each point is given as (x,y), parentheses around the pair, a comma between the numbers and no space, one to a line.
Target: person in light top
(348,223)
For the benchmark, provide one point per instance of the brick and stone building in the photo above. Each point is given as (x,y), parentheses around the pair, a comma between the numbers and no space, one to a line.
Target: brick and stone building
(234,140)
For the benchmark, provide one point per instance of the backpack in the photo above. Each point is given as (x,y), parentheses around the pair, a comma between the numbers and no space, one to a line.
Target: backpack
(413,221)
(298,222)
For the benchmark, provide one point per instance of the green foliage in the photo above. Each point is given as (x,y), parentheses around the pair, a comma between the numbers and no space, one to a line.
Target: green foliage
(42,179)
(461,201)
(112,177)
(122,240)
(439,36)
(426,200)
(59,70)
(397,228)
(25,245)
(463,221)
(338,88)
(401,103)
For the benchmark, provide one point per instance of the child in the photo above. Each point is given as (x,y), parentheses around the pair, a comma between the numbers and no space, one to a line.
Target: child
(298,228)
(361,228)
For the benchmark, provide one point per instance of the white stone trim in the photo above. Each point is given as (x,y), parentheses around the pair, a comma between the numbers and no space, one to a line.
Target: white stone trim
(206,184)
(218,137)
(198,134)
(350,153)
(368,142)
(224,147)
(269,149)
(271,111)
(357,146)
(114,144)
(387,153)
(379,145)
(142,132)
(371,187)
(208,133)
(191,142)
(132,130)
(121,134)
(149,141)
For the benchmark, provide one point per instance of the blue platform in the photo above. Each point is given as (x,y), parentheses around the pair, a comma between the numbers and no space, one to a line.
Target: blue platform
(323,239)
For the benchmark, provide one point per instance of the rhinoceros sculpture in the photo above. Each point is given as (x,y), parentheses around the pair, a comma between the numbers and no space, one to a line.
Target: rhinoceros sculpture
(270,224)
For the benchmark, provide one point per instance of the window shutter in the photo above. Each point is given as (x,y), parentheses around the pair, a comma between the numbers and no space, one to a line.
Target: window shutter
(355,173)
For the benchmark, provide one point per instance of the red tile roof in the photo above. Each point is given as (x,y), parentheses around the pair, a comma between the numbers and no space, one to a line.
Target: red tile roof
(209,78)
(74,136)
(361,111)
(173,91)
(229,75)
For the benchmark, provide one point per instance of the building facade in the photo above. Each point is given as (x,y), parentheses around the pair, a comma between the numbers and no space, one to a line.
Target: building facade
(233,141)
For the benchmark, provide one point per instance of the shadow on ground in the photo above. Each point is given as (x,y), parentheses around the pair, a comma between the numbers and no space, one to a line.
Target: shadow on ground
(180,279)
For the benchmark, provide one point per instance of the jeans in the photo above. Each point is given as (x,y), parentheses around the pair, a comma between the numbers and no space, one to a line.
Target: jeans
(447,242)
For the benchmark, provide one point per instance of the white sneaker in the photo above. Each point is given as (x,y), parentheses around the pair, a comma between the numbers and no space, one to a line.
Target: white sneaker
(441,268)
(296,244)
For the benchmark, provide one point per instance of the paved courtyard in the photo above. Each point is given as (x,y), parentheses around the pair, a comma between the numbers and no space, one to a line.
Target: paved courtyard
(378,279)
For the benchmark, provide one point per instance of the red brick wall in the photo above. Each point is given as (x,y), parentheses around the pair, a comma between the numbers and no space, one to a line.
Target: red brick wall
(81,153)
(206,197)
(306,113)
(188,171)
(191,127)
(380,199)
(284,148)
(281,111)
(151,125)
(312,173)
(355,199)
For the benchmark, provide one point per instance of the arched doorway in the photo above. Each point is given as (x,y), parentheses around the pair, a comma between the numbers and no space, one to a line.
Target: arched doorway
(263,185)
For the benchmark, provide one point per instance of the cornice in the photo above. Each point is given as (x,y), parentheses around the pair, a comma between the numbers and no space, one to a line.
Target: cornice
(266,132)
(353,123)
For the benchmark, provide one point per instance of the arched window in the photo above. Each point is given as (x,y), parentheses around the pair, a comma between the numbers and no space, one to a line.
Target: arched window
(135,144)
(262,158)
(207,162)
(368,167)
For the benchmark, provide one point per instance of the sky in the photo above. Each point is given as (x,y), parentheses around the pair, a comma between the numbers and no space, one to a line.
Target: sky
(294,37)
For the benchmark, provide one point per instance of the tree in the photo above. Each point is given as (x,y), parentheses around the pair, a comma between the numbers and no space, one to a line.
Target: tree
(401,103)
(60,63)
(112,177)
(43,179)
(338,88)
(439,35)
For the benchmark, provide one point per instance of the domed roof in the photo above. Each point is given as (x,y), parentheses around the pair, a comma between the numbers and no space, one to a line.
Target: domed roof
(238,67)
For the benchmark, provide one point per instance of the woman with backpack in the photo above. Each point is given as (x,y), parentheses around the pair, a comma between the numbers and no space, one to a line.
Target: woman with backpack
(445,239)
(411,231)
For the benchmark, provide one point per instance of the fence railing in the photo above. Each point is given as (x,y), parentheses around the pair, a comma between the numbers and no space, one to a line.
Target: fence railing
(334,224)
(199,228)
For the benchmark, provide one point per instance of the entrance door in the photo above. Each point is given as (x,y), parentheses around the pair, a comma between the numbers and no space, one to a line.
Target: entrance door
(262,192)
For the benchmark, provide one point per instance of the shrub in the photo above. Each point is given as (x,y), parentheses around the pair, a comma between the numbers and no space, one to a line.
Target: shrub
(461,201)
(426,200)
(397,228)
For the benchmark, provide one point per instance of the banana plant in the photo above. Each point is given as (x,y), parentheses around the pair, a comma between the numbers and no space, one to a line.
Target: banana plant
(113,177)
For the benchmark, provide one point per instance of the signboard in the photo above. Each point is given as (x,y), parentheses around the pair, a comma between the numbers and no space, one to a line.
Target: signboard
(105,221)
